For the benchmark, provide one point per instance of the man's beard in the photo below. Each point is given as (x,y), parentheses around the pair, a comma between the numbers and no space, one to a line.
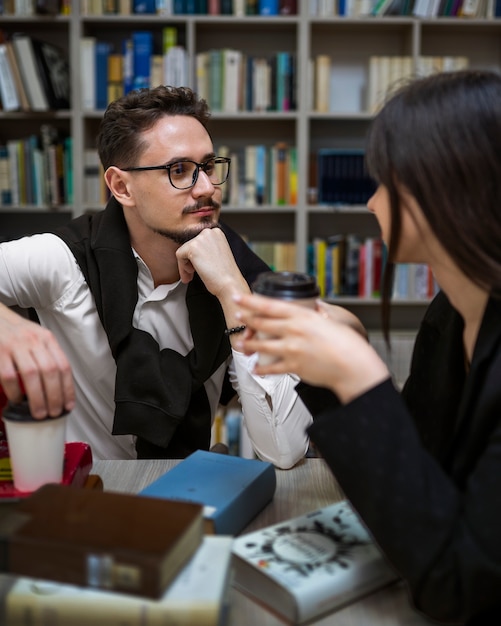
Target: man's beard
(187,234)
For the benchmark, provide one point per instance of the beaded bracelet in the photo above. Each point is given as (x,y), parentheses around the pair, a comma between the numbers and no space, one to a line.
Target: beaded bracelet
(235,329)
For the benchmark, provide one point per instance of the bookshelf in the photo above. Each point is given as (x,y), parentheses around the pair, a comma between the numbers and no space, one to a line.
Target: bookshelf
(348,42)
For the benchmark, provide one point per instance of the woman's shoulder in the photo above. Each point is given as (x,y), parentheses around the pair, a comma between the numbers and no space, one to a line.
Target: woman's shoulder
(440,312)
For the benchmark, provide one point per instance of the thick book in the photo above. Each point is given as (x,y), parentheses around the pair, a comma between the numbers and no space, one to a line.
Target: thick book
(310,565)
(196,597)
(232,489)
(99,539)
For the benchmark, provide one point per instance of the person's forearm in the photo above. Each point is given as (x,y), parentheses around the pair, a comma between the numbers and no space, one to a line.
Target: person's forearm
(275,417)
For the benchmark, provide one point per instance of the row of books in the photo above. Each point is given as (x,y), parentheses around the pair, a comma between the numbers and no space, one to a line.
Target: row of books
(388,72)
(228,79)
(111,73)
(439,8)
(352,265)
(346,265)
(27,8)
(342,177)
(418,8)
(260,175)
(279,255)
(190,7)
(37,170)
(233,81)
(34,74)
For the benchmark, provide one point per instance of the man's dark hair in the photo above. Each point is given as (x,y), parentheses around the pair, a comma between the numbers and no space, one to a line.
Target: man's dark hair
(119,139)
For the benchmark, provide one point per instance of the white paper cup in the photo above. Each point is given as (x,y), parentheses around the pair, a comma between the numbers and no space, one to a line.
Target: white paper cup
(294,287)
(36,447)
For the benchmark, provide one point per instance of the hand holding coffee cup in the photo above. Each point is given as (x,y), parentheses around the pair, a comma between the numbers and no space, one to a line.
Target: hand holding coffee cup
(295,287)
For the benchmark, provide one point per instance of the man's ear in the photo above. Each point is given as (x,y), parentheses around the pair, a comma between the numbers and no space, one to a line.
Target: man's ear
(117,182)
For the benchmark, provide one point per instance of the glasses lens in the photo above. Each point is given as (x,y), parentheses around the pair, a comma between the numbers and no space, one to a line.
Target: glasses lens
(217,170)
(184,174)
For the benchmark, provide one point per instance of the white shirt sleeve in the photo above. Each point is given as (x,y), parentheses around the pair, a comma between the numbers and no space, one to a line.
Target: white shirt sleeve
(274,415)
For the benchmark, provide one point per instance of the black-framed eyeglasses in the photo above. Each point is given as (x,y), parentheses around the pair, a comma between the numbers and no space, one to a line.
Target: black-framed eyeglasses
(184,174)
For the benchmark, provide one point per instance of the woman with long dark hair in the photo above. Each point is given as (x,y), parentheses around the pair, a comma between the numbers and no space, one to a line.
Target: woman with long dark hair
(422,466)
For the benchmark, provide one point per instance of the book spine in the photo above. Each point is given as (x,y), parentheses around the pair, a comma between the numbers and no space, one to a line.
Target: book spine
(115,87)
(268,7)
(88,78)
(102,52)
(142,42)
(8,92)
(128,64)
(5,179)
(25,56)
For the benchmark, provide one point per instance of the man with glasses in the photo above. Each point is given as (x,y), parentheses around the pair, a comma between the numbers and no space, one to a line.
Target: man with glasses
(139,299)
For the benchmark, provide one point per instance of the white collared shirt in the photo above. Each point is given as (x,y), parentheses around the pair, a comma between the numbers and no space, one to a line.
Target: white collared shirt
(41,272)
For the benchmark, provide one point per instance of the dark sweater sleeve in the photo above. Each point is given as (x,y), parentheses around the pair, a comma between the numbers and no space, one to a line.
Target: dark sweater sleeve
(432,533)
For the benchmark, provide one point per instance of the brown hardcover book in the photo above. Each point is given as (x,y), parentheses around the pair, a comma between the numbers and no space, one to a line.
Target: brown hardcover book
(99,539)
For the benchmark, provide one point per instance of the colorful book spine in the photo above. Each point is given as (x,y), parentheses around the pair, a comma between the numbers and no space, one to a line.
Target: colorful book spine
(142,45)
(102,52)
(128,64)
(268,7)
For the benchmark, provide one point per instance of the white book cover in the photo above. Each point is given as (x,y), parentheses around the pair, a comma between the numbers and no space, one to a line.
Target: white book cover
(197,597)
(310,565)
(30,73)
(232,68)
(88,74)
(175,67)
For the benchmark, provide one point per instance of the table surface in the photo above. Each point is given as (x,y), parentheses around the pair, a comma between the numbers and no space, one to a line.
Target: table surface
(308,486)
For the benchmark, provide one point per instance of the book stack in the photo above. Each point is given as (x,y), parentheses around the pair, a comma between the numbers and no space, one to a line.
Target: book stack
(196,597)
(78,536)
(34,75)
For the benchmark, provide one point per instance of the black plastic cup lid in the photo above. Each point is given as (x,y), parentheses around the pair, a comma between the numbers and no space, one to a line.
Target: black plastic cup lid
(287,285)
(20,412)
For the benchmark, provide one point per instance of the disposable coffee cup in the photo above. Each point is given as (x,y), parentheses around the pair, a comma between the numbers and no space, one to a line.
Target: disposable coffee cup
(36,447)
(294,287)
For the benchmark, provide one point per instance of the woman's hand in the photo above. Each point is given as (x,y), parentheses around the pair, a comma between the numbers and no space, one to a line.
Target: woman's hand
(327,347)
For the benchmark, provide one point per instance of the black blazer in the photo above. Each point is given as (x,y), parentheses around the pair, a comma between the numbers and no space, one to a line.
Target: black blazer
(423,468)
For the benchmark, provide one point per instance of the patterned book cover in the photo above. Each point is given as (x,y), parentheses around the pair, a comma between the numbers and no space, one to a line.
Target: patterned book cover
(312,564)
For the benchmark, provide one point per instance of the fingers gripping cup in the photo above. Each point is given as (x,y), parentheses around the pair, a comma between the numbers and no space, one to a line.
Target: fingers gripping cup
(36,447)
(294,287)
